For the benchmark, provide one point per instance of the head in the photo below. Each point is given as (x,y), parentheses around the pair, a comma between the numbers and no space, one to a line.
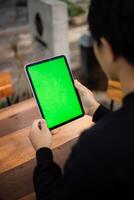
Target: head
(112,27)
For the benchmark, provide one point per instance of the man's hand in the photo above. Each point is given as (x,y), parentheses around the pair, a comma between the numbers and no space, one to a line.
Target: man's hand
(40,136)
(89,102)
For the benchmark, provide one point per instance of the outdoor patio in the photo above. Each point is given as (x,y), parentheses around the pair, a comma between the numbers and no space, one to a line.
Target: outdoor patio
(18,109)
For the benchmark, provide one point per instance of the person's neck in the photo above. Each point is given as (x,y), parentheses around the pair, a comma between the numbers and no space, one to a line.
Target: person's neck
(126,78)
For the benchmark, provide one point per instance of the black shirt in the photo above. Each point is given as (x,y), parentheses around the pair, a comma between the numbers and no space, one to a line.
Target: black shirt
(101,165)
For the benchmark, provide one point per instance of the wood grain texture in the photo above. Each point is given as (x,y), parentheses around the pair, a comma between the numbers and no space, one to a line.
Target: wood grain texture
(17,156)
(18,121)
(17,182)
(114,91)
(5,78)
(17,108)
(6,87)
(16,148)
(18,117)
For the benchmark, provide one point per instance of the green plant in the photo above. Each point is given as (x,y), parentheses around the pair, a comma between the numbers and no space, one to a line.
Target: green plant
(74,9)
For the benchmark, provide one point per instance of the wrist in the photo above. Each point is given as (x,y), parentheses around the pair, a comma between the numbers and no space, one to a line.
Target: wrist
(44,154)
(38,147)
(93,109)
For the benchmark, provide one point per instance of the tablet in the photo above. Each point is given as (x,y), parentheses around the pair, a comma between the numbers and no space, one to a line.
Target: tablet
(53,88)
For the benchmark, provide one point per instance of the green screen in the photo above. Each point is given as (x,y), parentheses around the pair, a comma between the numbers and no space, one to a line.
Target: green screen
(55,91)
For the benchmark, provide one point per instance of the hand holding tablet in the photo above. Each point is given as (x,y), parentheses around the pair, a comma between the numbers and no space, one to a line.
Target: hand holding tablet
(40,136)
(89,102)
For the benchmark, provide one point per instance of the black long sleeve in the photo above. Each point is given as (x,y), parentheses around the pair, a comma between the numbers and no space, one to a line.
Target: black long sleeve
(50,184)
(100,113)
(47,173)
(101,163)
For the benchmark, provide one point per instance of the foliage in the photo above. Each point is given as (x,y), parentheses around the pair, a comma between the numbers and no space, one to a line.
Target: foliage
(74,9)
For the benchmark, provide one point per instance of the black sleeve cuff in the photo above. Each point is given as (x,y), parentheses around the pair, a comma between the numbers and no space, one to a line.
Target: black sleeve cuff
(100,113)
(44,155)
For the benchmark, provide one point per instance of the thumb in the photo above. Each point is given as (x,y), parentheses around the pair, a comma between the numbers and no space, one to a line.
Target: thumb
(79,87)
(43,124)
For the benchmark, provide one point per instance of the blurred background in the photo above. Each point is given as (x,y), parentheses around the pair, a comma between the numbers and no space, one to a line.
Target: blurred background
(31,30)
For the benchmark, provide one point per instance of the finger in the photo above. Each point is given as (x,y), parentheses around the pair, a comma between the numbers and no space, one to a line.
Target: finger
(36,124)
(80,84)
(43,124)
(79,87)
(39,125)
(76,83)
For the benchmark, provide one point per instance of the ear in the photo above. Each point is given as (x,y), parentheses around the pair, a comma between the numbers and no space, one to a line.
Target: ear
(107,50)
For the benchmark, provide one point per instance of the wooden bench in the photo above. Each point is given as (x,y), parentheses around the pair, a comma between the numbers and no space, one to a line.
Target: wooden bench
(6,87)
(17,156)
(114,92)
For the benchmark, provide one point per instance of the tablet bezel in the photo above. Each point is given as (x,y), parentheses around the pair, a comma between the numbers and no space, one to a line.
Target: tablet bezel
(36,97)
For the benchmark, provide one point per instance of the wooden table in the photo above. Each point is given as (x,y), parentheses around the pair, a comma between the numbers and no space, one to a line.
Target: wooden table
(17,156)
(6,86)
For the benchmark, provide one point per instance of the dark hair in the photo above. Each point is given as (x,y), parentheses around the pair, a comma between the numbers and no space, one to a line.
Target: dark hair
(114,20)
